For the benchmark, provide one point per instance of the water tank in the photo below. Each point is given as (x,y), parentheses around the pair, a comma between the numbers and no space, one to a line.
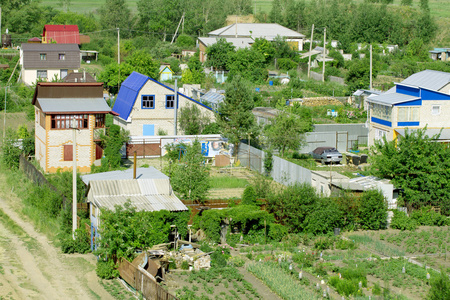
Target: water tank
(6,40)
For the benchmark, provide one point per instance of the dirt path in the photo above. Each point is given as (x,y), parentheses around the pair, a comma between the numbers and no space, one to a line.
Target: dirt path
(32,268)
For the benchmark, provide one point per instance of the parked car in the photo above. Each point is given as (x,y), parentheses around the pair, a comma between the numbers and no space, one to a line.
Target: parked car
(327,155)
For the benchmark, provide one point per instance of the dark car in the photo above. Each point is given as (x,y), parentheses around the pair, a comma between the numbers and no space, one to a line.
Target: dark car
(327,155)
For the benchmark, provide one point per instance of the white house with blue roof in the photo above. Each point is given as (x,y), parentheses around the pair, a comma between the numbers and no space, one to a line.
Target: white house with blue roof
(421,100)
(146,106)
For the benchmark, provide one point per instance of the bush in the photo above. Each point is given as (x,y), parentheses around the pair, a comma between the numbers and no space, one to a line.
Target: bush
(428,217)
(440,287)
(106,269)
(304,259)
(323,243)
(249,196)
(286,64)
(401,221)
(277,232)
(373,210)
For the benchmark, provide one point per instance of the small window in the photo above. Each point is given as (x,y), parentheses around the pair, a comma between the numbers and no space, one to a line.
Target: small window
(436,110)
(43,56)
(99,121)
(148,101)
(62,56)
(41,74)
(170,101)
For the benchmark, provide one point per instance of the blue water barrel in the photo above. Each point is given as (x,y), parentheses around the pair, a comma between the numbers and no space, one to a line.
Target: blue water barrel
(257,89)
(271,82)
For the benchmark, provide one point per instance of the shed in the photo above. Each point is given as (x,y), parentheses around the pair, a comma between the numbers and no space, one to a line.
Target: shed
(150,191)
(165,73)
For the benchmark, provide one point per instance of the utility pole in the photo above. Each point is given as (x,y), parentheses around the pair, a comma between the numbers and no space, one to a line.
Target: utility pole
(175,108)
(4,114)
(176,31)
(249,158)
(74,180)
(310,49)
(323,55)
(118,46)
(370,85)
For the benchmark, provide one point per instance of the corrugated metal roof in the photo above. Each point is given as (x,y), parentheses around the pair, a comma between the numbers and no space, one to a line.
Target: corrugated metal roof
(130,89)
(430,79)
(256,30)
(144,194)
(62,34)
(212,97)
(391,98)
(141,173)
(49,105)
(238,43)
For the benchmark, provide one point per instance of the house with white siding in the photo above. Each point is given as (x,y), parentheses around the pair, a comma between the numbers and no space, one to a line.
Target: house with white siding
(145,106)
(421,100)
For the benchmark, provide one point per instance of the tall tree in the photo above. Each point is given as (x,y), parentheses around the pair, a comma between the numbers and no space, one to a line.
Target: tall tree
(190,177)
(115,14)
(235,115)
(293,129)
(191,120)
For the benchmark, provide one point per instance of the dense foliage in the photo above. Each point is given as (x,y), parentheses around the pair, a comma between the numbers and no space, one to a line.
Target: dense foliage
(113,141)
(190,176)
(191,120)
(126,230)
(373,210)
(235,115)
(419,165)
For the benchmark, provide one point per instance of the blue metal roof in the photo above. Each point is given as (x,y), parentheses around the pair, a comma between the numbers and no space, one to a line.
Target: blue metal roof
(128,93)
(130,89)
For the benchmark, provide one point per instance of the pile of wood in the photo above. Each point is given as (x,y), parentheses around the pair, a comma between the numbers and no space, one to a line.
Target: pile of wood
(196,258)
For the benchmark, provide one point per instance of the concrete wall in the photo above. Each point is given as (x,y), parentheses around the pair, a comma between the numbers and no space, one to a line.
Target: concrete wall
(40,137)
(283,171)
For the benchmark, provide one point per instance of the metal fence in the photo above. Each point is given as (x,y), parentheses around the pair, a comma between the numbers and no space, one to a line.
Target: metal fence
(143,282)
(283,171)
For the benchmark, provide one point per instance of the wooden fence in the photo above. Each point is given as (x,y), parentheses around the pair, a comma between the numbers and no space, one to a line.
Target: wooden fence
(143,282)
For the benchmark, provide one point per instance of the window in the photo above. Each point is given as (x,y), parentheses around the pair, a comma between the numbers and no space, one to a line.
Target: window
(62,56)
(436,110)
(65,121)
(170,101)
(408,114)
(43,56)
(99,121)
(379,133)
(381,111)
(41,74)
(148,101)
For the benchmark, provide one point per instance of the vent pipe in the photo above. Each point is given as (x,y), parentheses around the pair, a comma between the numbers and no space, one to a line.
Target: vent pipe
(134,166)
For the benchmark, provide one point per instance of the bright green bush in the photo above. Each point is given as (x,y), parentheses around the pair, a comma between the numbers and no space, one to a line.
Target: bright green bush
(427,216)
(249,196)
(401,221)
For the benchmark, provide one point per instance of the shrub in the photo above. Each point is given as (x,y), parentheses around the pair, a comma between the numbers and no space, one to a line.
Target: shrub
(249,196)
(106,269)
(373,210)
(277,232)
(323,243)
(304,259)
(401,221)
(440,287)
(286,64)
(427,216)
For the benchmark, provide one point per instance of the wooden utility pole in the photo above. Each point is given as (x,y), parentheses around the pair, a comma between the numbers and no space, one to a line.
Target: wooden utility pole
(323,55)
(310,49)
(178,27)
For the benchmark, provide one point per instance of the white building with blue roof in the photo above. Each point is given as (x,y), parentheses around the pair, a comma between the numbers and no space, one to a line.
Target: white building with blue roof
(421,100)
(146,106)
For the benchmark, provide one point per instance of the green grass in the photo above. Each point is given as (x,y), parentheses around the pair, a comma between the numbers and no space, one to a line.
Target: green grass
(220,182)
(11,225)
(376,245)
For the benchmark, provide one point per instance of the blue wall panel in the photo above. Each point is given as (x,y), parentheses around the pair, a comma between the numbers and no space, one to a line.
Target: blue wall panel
(380,121)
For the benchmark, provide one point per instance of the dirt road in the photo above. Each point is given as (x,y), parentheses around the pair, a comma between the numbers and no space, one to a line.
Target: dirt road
(32,268)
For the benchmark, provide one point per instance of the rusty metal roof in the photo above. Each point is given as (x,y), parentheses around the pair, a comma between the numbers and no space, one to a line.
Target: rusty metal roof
(144,194)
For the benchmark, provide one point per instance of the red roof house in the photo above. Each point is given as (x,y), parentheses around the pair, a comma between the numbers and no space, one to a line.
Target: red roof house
(61,34)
